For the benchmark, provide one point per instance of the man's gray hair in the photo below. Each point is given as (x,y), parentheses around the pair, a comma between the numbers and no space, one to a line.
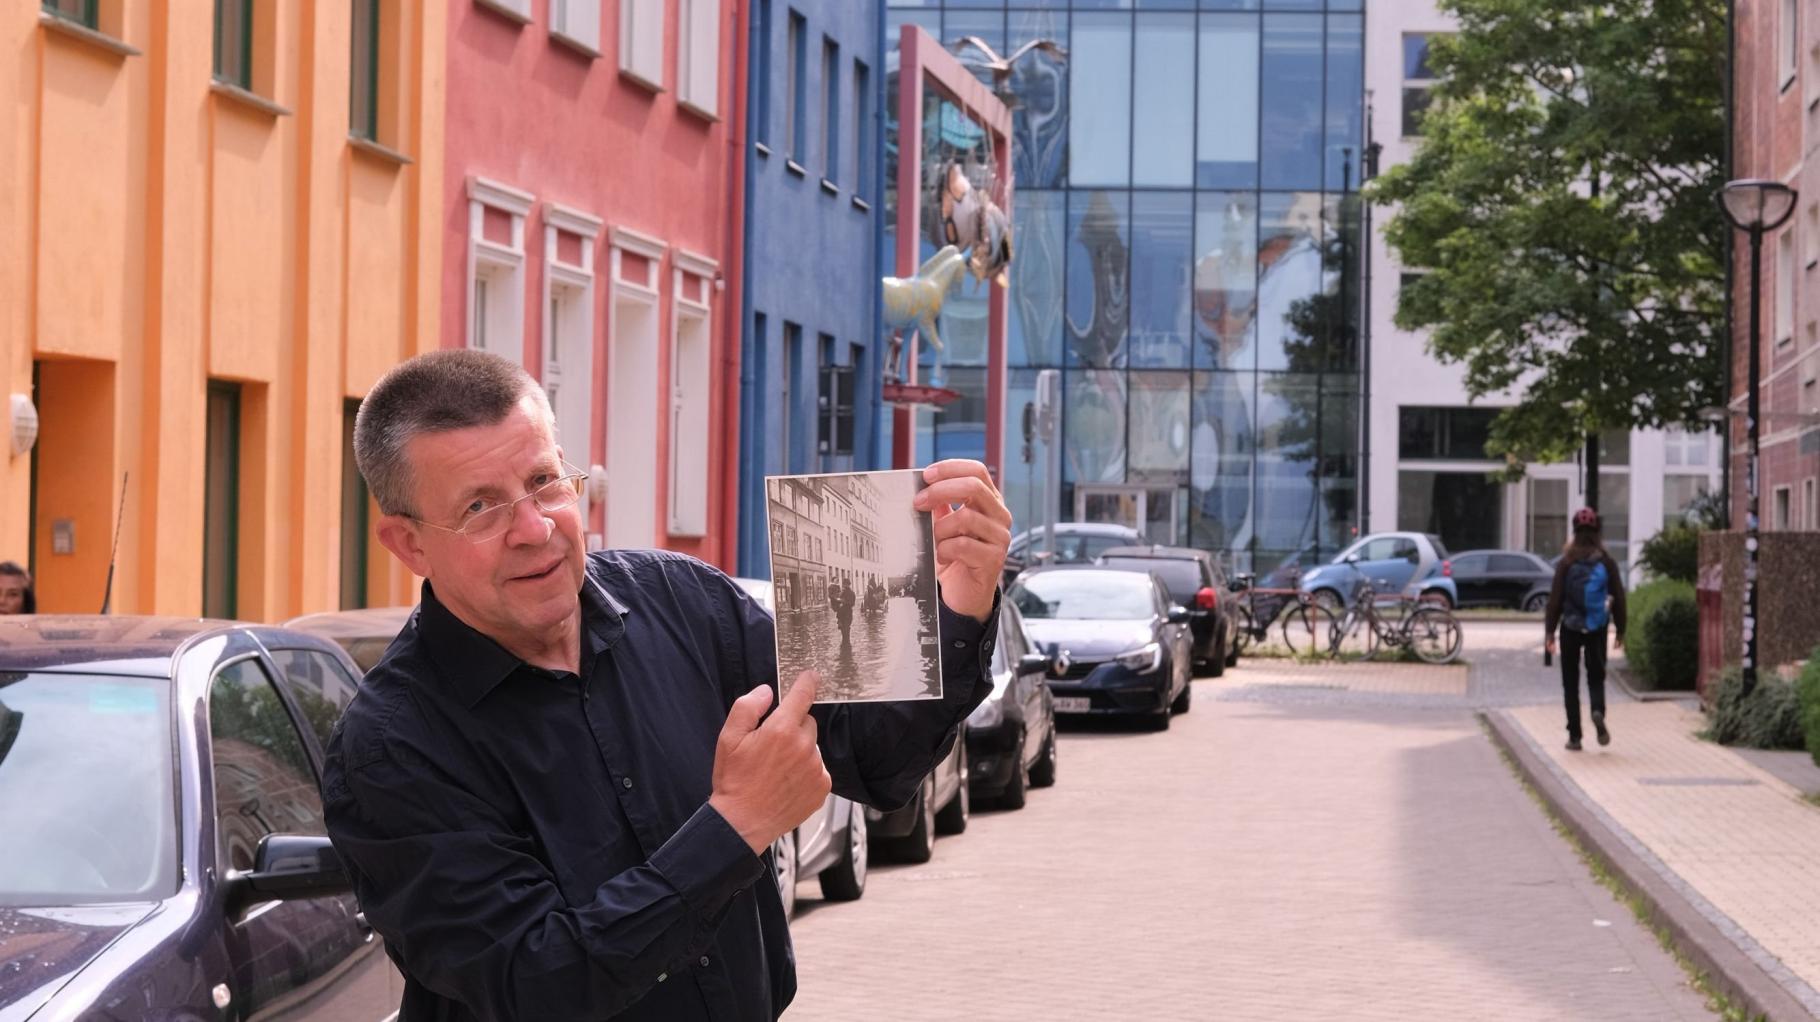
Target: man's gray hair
(435,392)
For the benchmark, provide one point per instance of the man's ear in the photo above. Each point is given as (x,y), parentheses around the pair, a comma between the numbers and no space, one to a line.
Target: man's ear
(399,535)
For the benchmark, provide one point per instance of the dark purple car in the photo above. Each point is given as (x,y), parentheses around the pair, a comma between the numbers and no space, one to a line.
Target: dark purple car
(163,853)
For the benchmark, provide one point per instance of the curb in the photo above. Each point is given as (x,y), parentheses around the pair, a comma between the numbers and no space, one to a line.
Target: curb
(1620,673)
(1725,964)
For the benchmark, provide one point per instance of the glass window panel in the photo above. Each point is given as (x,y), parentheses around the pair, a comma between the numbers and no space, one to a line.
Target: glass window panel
(1159,428)
(1679,494)
(1465,509)
(1093,426)
(1614,516)
(1415,58)
(1162,122)
(960,426)
(1225,280)
(1229,5)
(1226,152)
(1039,121)
(1338,412)
(964,323)
(1290,412)
(1099,126)
(1162,238)
(1290,155)
(1035,327)
(1345,98)
(1022,481)
(1547,516)
(1289,270)
(1614,447)
(1221,443)
(1099,285)
(1415,104)
(989,26)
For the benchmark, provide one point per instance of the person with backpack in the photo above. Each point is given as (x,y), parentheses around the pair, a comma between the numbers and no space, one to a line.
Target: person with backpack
(1586,599)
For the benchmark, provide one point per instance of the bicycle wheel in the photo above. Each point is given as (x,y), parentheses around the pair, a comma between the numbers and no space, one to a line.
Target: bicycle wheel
(1354,636)
(1243,637)
(1308,630)
(1435,635)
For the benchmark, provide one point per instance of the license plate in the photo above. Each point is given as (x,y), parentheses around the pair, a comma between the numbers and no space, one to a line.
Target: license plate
(1073,704)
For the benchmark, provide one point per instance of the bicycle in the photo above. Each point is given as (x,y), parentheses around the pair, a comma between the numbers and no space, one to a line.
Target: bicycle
(1431,632)
(1305,628)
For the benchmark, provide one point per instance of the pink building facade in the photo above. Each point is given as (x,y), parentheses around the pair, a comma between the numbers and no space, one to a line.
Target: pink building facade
(591,225)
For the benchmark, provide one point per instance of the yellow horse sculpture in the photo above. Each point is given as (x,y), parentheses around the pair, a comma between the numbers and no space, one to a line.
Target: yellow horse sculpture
(918,301)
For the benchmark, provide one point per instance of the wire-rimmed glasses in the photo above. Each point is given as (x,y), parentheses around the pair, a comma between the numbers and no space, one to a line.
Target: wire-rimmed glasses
(491,523)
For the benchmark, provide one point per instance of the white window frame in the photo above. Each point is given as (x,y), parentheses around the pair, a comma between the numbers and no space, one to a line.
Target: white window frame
(698,57)
(1788,42)
(629,430)
(1782,511)
(641,42)
(576,24)
(514,10)
(691,393)
(1808,505)
(1785,288)
(568,378)
(500,266)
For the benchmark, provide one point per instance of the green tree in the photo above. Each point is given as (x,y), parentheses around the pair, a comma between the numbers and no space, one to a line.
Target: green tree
(1562,200)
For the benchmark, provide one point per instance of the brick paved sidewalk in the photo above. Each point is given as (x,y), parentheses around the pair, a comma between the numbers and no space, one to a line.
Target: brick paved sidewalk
(1736,841)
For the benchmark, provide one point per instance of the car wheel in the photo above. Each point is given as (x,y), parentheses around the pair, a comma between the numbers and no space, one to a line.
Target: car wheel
(1437,598)
(1013,797)
(919,845)
(1217,666)
(1042,772)
(846,879)
(952,819)
(1182,701)
(1235,644)
(783,856)
(1328,600)
(1157,721)
(1536,603)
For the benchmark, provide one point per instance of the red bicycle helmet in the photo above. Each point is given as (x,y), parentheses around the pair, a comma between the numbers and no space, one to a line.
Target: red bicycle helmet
(1586,518)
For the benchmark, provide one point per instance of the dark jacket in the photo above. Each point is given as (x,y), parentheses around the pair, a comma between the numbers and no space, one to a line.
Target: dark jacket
(1557,593)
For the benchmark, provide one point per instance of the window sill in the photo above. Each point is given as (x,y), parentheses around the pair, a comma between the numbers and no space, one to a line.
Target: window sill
(761,149)
(1786,82)
(830,187)
(655,88)
(505,10)
(580,46)
(862,204)
(82,33)
(378,150)
(795,168)
(247,98)
(700,111)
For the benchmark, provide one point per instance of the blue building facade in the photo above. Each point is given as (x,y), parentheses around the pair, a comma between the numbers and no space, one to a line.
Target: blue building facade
(810,352)
(1186,227)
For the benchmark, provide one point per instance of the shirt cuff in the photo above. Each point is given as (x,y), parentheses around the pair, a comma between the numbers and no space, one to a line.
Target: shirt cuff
(707,862)
(967,642)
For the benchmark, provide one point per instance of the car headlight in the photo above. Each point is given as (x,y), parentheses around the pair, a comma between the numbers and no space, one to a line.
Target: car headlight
(987,714)
(1143,659)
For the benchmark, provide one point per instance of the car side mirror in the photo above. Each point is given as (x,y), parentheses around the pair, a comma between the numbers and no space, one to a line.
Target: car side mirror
(289,867)
(1033,663)
(1178,615)
(1352,558)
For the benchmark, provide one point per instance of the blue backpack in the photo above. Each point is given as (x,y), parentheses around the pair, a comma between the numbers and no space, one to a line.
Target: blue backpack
(1584,604)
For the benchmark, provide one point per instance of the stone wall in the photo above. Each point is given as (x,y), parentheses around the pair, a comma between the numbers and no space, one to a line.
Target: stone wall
(1788,598)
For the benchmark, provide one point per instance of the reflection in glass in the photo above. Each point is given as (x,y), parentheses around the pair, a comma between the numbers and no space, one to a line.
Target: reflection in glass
(1289,269)
(1162,128)
(1291,109)
(1159,428)
(1093,430)
(1039,120)
(989,26)
(1288,415)
(1345,97)
(960,427)
(1099,124)
(1226,150)
(1035,328)
(1022,481)
(1099,286)
(965,323)
(1221,446)
(1162,225)
(1225,279)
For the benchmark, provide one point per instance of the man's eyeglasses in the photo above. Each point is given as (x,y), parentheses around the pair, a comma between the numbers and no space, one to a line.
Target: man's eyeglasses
(492,522)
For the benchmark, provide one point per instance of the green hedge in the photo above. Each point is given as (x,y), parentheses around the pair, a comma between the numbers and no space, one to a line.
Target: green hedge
(1662,643)
(1769,718)
(1808,691)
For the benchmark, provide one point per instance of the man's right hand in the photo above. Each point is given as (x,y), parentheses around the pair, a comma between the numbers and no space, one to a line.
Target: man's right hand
(768,777)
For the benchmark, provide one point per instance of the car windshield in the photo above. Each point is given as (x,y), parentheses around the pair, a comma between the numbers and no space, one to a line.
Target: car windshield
(86,779)
(1084,596)
(1181,577)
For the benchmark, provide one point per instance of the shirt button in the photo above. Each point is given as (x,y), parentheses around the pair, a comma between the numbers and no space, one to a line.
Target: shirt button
(662,976)
(958,644)
(704,961)
(626,783)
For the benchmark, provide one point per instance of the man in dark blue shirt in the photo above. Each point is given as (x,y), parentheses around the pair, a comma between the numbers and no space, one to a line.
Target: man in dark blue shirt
(557,791)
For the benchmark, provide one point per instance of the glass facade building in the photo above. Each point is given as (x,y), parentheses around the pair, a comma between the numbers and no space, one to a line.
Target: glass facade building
(1185,230)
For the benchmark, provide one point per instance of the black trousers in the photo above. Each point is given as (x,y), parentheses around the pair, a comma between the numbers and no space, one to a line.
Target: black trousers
(1573,643)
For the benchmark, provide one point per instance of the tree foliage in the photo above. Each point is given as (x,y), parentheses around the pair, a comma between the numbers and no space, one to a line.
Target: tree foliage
(1562,201)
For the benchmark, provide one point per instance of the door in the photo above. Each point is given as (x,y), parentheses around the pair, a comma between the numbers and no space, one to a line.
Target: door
(1471,578)
(1512,577)
(1389,562)
(292,960)
(1115,505)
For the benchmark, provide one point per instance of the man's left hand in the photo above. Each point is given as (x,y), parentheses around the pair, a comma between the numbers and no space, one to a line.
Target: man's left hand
(970,539)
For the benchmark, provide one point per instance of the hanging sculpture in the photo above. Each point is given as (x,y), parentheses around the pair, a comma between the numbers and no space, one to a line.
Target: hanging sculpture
(975,224)
(917,301)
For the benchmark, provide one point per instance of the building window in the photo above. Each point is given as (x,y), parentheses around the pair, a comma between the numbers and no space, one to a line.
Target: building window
(1811,239)
(796,127)
(577,22)
(698,56)
(862,130)
(1099,124)
(834,433)
(761,44)
(496,256)
(793,368)
(1407,280)
(1418,79)
(234,42)
(1444,434)
(568,348)
(691,395)
(516,10)
(1788,42)
(1781,520)
(830,110)
(1681,449)
(1679,492)
(641,41)
(1785,288)
(221,503)
(1808,507)
(363,85)
(82,12)
(354,523)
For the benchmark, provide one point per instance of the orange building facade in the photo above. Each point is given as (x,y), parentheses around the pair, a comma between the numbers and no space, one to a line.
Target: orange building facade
(218,228)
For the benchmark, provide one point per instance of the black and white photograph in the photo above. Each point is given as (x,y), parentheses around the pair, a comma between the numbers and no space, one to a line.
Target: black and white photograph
(853,576)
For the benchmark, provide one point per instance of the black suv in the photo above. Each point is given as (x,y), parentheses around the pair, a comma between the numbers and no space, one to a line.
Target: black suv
(1194,580)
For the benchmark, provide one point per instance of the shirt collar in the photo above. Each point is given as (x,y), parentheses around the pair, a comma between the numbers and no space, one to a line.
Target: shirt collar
(473,664)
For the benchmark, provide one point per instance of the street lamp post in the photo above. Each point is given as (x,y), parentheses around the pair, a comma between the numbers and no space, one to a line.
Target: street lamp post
(1756,207)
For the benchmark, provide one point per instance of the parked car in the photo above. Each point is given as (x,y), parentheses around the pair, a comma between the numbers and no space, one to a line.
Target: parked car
(164,850)
(1011,736)
(940,806)
(1502,578)
(365,634)
(1120,646)
(1075,543)
(1412,563)
(1194,580)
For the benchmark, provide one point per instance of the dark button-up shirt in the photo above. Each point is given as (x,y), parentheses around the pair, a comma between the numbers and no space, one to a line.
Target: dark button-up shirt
(536,844)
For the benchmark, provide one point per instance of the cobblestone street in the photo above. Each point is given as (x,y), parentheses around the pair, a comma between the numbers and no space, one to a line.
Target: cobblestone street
(1315,842)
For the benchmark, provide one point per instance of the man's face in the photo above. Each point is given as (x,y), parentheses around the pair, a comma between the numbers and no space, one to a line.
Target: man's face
(12,594)
(515,588)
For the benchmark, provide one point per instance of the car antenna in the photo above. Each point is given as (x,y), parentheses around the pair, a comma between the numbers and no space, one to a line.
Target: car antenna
(107,594)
